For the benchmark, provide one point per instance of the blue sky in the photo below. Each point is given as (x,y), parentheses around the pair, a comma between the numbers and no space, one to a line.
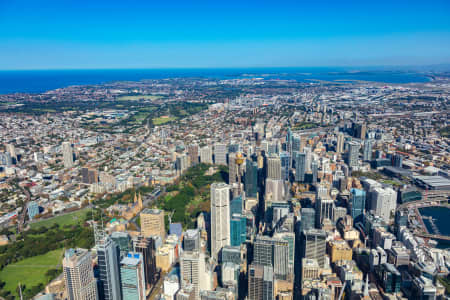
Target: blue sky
(68,34)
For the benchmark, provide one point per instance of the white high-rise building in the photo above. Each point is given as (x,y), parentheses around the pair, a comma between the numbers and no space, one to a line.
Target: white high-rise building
(12,150)
(67,154)
(220,218)
(384,201)
(340,143)
(220,154)
(274,167)
(274,191)
(308,159)
(79,275)
(206,155)
(193,272)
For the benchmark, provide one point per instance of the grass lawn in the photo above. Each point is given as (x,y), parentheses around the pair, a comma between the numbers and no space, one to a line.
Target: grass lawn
(67,219)
(138,97)
(30,271)
(163,120)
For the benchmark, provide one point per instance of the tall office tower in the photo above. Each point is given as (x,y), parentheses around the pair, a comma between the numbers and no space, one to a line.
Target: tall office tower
(314,171)
(263,251)
(367,151)
(220,154)
(290,238)
(232,169)
(193,271)
(182,163)
(281,266)
(324,210)
(314,246)
(321,191)
(274,192)
(191,240)
(67,154)
(132,276)
(251,179)
(308,217)
(384,201)
(152,223)
(79,275)
(272,252)
(11,149)
(273,167)
(340,143)
(220,217)
(206,155)
(260,282)
(285,158)
(122,240)
(238,229)
(359,130)
(397,160)
(353,154)
(193,154)
(255,282)
(357,203)
(300,166)
(236,205)
(108,254)
(146,247)
(296,143)
(308,159)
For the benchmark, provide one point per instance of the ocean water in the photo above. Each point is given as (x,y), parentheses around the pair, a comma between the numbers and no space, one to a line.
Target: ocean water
(41,81)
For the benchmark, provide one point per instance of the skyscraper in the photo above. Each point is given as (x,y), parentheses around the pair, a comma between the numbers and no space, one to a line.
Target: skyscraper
(122,240)
(315,171)
(79,275)
(273,252)
(220,217)
(152,223)
(308,216)
(220,154)
(146,247)
(260,282)
(108,254)
(251,179)
(340,143)
(191,240)
(367,151)
(193,154)
(313,245)
(353,154)
(206,155)
(132,277)
(357,203)
(232,168)
(285,158)
(324,210)
(274,167)
(238,229)
(67,155)
(192,271)
(300,166)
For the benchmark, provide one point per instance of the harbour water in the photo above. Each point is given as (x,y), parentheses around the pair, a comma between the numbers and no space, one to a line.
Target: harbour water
(41,81)
(440,223)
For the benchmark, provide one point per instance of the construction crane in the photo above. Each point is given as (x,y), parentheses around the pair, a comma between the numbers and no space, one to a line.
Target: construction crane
(342,291)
